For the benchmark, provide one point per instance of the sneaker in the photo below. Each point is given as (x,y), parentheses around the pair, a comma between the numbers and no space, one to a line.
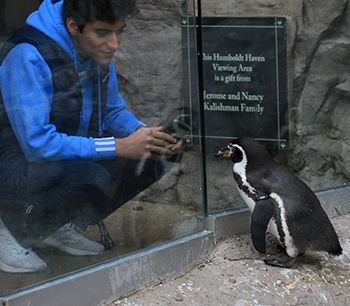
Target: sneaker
(16,259)
(69,240)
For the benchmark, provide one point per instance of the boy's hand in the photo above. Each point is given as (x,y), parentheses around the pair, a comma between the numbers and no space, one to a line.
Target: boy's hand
(147,142)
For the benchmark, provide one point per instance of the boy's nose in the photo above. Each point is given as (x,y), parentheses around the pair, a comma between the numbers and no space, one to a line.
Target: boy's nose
(114,42)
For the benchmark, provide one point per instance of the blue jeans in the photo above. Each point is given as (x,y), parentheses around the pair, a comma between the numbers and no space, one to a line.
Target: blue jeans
(37,199)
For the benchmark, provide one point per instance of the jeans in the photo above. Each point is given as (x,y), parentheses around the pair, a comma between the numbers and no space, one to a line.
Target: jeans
(37,199)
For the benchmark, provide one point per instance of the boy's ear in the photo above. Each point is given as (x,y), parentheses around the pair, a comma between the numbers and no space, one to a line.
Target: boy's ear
(72,26)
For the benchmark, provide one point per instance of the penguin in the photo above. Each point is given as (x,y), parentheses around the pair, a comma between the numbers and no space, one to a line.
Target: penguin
(280,203)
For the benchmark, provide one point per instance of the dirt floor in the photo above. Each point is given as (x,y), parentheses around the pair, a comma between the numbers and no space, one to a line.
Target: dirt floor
(233,273)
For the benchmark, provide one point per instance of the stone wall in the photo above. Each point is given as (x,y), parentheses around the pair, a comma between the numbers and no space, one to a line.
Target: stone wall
(149,66)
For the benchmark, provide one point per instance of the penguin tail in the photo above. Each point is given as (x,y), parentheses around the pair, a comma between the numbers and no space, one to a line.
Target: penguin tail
(335,250)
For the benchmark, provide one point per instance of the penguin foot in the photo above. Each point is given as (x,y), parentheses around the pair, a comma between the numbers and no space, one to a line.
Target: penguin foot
(276,263)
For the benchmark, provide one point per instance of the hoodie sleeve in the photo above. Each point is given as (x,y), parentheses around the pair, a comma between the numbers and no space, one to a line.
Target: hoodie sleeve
(27,91)
(118,122)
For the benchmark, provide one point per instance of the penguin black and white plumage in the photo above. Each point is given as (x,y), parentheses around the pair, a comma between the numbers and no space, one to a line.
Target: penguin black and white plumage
(281,204)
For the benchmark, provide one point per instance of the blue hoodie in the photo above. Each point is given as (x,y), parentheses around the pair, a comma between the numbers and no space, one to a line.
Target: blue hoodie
(26,88)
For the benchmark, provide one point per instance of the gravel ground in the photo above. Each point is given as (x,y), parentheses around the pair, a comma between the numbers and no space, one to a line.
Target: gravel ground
(233,273)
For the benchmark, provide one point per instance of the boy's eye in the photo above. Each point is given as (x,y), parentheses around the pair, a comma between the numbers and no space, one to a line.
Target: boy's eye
(102,33)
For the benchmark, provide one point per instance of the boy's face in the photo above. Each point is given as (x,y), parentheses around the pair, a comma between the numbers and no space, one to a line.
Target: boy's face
(99,40)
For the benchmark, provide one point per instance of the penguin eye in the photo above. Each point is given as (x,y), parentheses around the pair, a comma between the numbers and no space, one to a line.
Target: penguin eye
(237,156)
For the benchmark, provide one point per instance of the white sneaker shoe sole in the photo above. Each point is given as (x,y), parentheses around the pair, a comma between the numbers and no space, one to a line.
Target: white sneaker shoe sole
(6,268)
(16,259)
(51,241)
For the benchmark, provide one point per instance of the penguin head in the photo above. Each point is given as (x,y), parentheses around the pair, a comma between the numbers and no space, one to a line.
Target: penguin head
(233,151)
(243,148)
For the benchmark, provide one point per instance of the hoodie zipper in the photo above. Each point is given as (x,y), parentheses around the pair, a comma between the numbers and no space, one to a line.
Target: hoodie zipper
(81,75)
(99,102)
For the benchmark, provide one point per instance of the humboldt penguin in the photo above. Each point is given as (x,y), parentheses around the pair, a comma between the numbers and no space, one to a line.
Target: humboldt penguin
(281,204)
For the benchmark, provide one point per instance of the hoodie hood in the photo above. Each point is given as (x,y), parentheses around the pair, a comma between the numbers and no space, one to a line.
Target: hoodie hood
(48,20)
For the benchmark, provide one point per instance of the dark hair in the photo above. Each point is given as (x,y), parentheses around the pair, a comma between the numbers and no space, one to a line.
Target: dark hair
(102,10)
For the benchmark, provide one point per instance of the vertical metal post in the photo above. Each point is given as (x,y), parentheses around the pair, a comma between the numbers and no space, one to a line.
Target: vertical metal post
(198,24)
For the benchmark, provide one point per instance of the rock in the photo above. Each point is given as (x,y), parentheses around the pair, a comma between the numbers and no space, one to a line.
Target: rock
(179,298)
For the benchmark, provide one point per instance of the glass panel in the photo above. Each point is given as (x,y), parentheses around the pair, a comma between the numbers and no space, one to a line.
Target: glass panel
(156,201)
(239,100)
(240,56)
(14,13)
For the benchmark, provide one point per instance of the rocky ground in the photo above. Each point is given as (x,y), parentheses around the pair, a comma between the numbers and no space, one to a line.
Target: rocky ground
(232,273)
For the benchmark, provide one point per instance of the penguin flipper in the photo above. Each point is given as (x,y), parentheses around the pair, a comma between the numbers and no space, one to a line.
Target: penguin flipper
(263,212)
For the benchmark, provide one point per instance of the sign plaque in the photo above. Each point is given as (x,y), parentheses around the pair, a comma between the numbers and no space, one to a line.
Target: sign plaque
(244,78)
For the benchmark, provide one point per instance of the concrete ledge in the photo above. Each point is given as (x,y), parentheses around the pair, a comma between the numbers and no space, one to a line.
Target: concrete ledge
(335,201)
(98,284)
(229,222)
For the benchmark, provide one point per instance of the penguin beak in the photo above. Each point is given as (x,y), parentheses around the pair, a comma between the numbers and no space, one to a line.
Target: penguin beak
(225,151)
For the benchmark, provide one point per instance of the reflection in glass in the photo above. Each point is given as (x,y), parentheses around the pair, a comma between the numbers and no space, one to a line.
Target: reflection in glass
(57,204)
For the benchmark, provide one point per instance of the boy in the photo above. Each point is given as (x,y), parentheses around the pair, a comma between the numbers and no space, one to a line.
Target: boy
(69,149)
